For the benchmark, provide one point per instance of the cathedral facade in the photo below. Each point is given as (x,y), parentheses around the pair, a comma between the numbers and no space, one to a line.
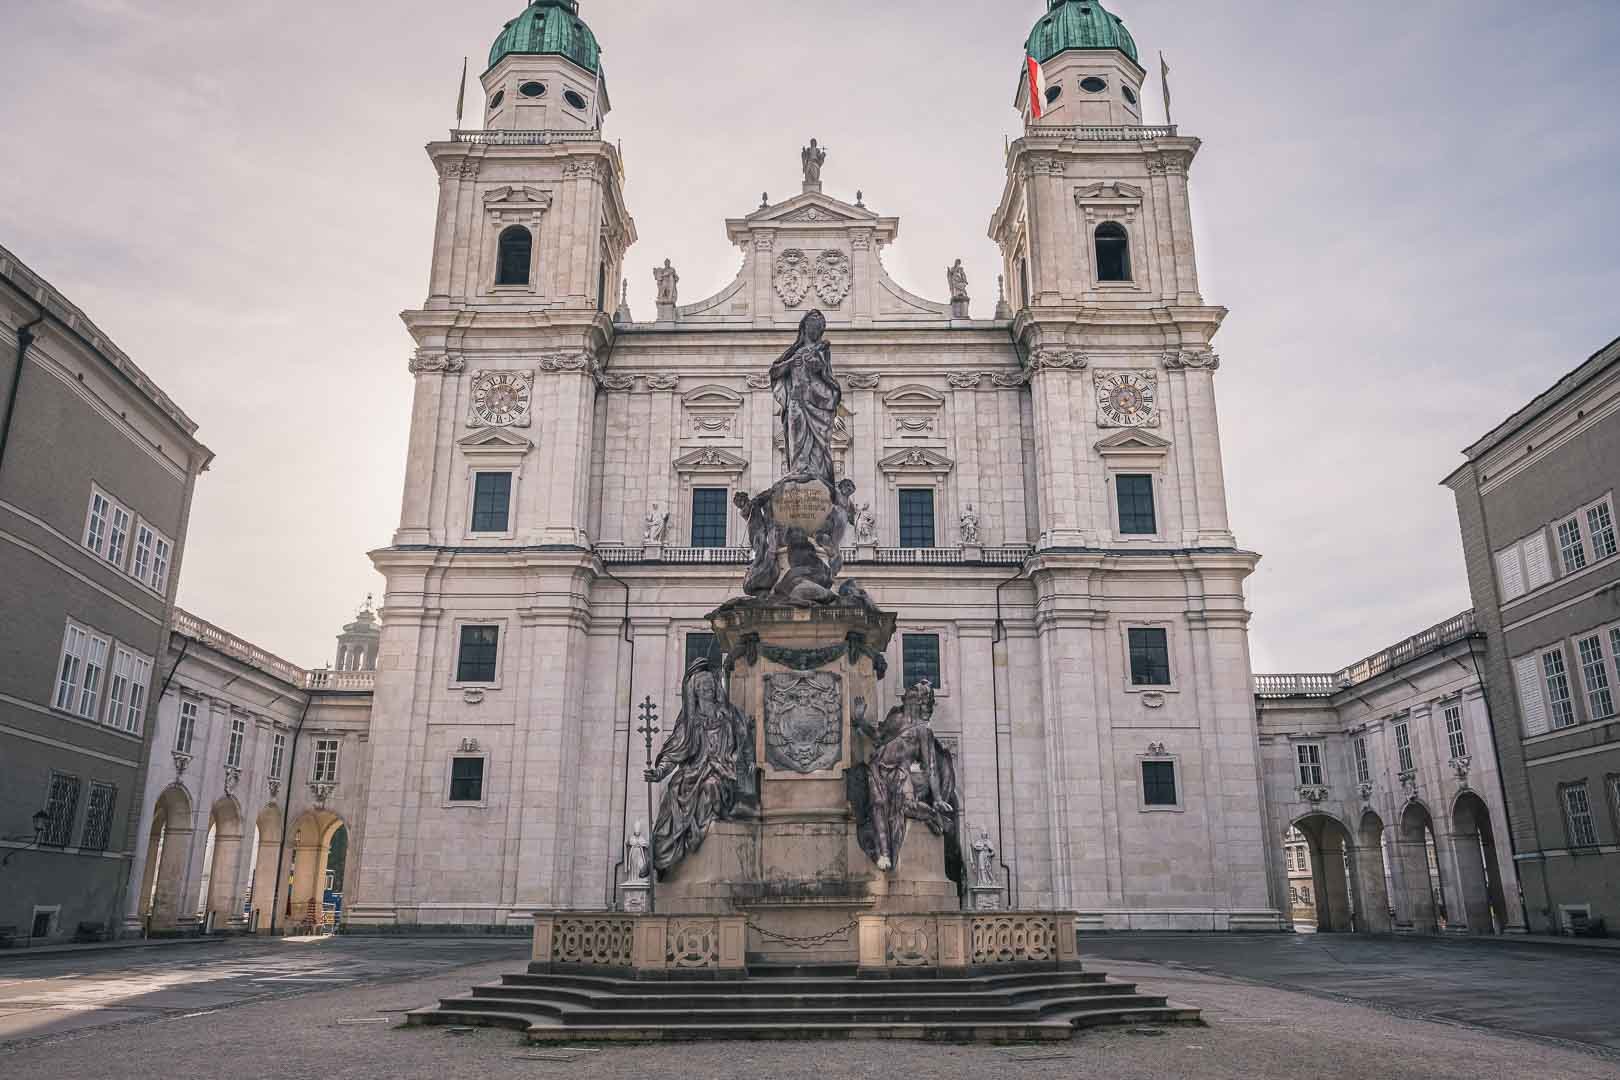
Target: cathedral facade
(1040,498)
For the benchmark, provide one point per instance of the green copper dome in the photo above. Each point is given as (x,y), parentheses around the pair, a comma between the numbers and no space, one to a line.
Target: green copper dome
(549,27)
(1078,24)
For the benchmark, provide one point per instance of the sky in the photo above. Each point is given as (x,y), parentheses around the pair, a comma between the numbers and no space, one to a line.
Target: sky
(1410,210)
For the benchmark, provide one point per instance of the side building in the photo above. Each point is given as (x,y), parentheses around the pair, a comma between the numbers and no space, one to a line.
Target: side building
(97,471)
(1536,505)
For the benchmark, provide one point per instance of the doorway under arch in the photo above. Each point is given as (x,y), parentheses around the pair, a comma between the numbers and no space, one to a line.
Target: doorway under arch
(168,848)
(264,893)
(219,895)
(1479,874)
(314,837)
(1331,854)
(1420,904)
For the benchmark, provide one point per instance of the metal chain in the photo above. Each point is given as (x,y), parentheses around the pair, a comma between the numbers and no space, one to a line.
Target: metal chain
(802,942)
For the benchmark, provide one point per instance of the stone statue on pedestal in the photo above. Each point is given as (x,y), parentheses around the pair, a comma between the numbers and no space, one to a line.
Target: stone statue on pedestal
(865,524)
(984,861)
(709,762)
(654,525)
(807,400)
(970,526)
(668,284)
(636,852)
(909,777)
(812,158)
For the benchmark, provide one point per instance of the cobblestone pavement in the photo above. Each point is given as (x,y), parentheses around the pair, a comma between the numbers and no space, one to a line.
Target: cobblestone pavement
(353,1033)
(50,996)
(1552,991)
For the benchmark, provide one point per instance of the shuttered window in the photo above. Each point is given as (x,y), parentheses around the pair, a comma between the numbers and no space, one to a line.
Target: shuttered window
(1532,702)
(1537,562)
(1510,569)
(1454,732)
(1310,765)
(1403,747)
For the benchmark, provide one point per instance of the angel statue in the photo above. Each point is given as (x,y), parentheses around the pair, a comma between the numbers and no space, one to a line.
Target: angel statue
(909,777)
(709,762)
(813,157)
(807,399)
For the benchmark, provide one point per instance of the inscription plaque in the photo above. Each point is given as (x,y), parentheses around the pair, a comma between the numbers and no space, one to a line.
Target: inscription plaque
(803,505)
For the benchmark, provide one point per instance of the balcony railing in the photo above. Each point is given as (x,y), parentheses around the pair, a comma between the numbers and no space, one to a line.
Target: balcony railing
(1010,555)
(523,138)
(1455,629)
(1086,133)
(341,681)
(223,641)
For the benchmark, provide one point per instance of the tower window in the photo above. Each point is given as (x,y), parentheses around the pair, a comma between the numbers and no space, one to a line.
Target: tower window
(574,98)
(1159,784)
(495,102)
(1130,95)
(1091,84)
(480,652)
(516,251)
(492,502)
(467,779)
(919,655)
(1136,511)
(1113,252)
(533,89)
(1053,93)
(1150,656)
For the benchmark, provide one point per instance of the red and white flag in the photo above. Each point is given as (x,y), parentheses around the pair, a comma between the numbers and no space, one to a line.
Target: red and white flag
(1037,88)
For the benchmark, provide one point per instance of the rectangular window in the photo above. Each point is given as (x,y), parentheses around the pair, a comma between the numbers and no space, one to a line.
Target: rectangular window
(1571,548)
(61,807)
(1510,569)
(278,751)
(95,670)
(118,536)
(920,656)
(1578,817)
(1595,674)
(1600,530)
(1537,562)
(95,526)
(1159,783)
(917,518)
(233,748)
(467,779)
(480,647)
(1363,766)
(325,768)
(1137,516)
(1403,747)
(74,644)
(98,816)
(1560,703)
(126,692)
(1310,764)
(1454,733)
(709,517)
(187,729)
(1150,656)
(160,567)
(698,646)
(492,502)
(145,538)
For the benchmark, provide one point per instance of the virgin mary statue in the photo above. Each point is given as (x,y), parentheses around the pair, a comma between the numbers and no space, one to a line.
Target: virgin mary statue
(807,399)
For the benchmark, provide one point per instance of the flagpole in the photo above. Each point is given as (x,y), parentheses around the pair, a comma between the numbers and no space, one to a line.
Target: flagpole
(1164,81)
(461,98)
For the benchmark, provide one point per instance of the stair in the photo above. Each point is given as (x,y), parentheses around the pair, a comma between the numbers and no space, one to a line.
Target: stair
(805,1003)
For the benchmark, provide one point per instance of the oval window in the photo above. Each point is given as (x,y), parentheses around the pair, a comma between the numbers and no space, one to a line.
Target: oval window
(532,89)
(495,102)
(1053,93)
(1093,85)
(574,99)
(1130,95)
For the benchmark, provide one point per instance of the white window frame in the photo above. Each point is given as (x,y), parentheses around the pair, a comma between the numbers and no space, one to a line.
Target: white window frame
(1405,759)
(1578,813)
(126,690)
(1456,737)
(152,558)
(1571,539)
(1171,635)
(1605,507)
(1525,566)
(1597,686)
(503,625)
(1310,763)
(449,775)
(473,472)
(1363,759)
(185,728)
(120,530)
(278,754)
(236,741)
(82,672)
(1565,677)
(1174,761)
(96,520)
(70,668)
(318,773)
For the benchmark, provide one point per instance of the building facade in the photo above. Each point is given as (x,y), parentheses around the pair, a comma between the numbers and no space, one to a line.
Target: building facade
(1536,505)
(1385,772)
(1041,501)
(97,470)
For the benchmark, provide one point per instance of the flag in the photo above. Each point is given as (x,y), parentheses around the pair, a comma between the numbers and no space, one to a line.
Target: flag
(461,99)
(1164,80)
(1037,88)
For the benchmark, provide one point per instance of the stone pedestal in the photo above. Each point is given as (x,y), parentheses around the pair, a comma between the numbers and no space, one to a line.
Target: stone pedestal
(985,897)
(633,897)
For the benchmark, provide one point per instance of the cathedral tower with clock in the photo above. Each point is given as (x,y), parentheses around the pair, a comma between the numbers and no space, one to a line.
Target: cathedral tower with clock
(1039,496)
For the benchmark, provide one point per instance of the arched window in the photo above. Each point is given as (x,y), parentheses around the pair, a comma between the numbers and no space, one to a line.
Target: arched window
(516,250)
(1113,252)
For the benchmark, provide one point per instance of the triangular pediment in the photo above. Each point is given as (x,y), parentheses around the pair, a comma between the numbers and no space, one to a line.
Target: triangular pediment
(1133,441)
(918,459)
(518,196)
(813,208)
(494,440)
(711,459)
(1112,190)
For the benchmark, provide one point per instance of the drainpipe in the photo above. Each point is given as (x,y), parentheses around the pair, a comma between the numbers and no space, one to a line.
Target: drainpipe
(1000,638)
(286,817)
(25,340)
(629,728)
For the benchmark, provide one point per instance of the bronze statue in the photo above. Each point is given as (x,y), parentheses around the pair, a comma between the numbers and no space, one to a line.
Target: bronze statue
(709,761)
(807,399)
(909,777)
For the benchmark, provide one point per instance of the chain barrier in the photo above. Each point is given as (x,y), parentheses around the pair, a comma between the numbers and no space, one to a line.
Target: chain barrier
(802,942)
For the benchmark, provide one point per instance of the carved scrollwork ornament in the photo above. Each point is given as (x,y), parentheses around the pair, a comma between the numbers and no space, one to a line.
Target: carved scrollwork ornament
(963,380)
(1057,360)
(663,382)
(1196,361)
(616,383)
(862,382)
(554,362)
(1009,381)
(442,363)
(758,382)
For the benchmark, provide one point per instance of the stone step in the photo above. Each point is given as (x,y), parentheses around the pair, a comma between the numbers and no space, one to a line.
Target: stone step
(863,985)
(645,996)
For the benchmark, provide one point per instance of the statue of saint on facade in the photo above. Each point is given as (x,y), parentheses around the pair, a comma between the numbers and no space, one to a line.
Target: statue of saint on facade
(956,277)
(655,525)
(636,852)
(709,762)
(813,157)
(970,526)
(984,861)
(807,399)
(668,284)
(909,777)
(865,524)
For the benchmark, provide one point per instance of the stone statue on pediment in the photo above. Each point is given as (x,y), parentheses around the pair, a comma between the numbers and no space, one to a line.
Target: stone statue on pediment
(668,284)
(813,157)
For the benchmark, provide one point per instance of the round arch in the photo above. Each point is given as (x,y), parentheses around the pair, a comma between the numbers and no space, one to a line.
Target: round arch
(168,851)
(1479,873)
(311,841)
(266,859)
(220,893)
(1419,900)
(1332,852)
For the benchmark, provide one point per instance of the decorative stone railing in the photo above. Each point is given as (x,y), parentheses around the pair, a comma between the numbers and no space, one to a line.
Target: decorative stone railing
(206,633)
(341,681)
(1455,629)
(523,138)
(1100,134)
(921,556)
(727,556)
(645,946)
(1009,555)
(1025,940)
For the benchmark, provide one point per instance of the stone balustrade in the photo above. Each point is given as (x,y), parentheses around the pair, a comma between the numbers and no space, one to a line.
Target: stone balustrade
(523,138)
(1100,134)
(1021,940)
(645,946)
(223,641)
(1455,629)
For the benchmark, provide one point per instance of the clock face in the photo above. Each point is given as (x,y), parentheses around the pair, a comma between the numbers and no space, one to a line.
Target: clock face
(501,398)
(1127,399)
